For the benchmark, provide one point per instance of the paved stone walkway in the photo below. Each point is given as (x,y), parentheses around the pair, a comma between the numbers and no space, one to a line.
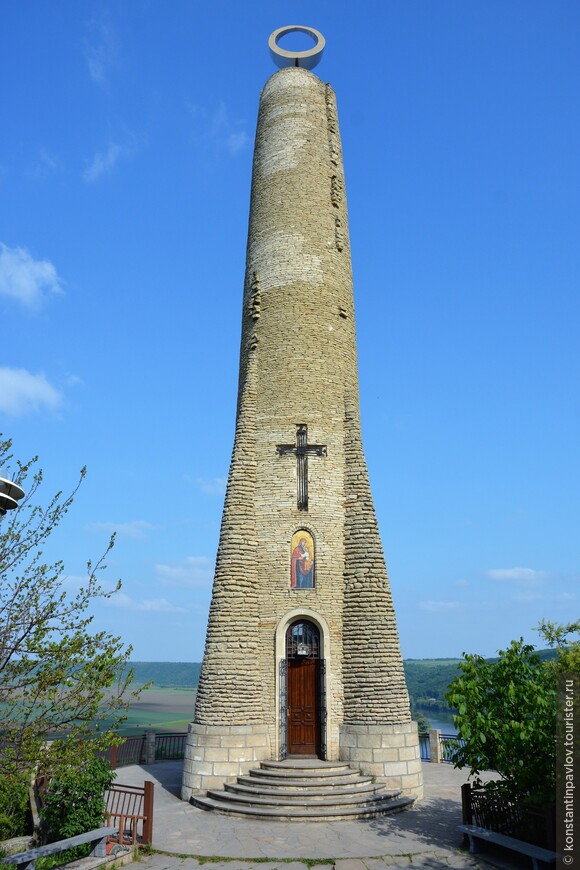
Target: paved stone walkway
(425,836)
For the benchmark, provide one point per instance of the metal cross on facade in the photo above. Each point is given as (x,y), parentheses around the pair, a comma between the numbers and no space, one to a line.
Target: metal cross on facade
(301,450)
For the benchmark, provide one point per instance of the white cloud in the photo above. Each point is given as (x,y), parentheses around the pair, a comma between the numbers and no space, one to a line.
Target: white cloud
(193,571)
(150,605)
(439,606)
(521,576)
(212,485)
(237,141)
(21,392)
(219,129)
(46,165)
(136,529)
(25,279)
(159,605)
(100,49)
(526,597)
(105,161)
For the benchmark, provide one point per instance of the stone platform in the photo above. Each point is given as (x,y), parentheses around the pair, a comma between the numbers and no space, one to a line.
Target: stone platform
(425,836)
(303,790)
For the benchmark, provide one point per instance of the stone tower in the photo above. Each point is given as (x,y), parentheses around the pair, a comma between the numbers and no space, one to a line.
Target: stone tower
(302,653)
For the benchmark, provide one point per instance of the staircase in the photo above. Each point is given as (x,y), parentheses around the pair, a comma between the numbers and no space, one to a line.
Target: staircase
(303,789)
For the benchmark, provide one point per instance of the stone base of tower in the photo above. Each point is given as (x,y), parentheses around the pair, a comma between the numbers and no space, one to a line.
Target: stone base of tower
(390,753)
(215,754)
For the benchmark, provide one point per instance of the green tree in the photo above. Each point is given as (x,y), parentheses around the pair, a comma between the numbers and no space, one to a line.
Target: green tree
(568,650)
(13,806)
(58,679)
(423,723)
(75,800)
(506,718)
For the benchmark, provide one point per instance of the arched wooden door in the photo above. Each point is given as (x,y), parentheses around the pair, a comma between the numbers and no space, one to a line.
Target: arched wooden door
(304,689)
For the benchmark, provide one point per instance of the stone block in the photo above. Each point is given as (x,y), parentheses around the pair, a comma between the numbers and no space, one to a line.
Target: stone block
(226,768)
(188,766)
(360,754)
(382,729)
(211,782)
(366,741)
(347,739)
(243,729)
(243,754)
(192,781)
(394,768)
(385,755)
(388,741)
(230,740)
(216,729)
(354,729)
(415,766)
(216,754)
(257,740)
(391,782)
(372,769)
(203,768)
(407,753)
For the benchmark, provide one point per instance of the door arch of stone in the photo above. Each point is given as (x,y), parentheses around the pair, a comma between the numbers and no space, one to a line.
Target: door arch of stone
(305,695)
(302,614)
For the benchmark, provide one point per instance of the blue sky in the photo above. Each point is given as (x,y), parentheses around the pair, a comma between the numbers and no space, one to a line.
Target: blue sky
(125,161)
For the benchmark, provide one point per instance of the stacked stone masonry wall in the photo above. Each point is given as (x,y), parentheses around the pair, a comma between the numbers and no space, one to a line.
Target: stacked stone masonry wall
(232,632)
(298,365)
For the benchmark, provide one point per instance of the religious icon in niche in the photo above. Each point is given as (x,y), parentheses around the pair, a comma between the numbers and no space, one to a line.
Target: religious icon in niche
(302,572)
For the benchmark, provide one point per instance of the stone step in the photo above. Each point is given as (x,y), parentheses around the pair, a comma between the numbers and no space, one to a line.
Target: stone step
(306,812)
(303,789)
(295,771)
(326,801)
(363,787)
(305,764)
(301,784)
(305,776)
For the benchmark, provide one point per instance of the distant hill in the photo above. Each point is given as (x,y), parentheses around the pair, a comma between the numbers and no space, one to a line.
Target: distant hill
(427,679)
(167,675)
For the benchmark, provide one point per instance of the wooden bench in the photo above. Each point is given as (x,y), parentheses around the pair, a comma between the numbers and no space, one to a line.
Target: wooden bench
(97,839)
(538,855)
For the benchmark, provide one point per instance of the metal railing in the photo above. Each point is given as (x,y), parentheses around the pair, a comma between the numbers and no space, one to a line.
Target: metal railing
(129,752)
(130,809)
(450,744)
(445,744)
(146,748)
(169,746)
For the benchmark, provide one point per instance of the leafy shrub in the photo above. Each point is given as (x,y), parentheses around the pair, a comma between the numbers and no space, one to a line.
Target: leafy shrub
(13,807)
(423,723)
(506,716)
(75,801)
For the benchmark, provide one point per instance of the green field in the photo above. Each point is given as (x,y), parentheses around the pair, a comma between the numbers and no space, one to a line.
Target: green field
(160,710)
